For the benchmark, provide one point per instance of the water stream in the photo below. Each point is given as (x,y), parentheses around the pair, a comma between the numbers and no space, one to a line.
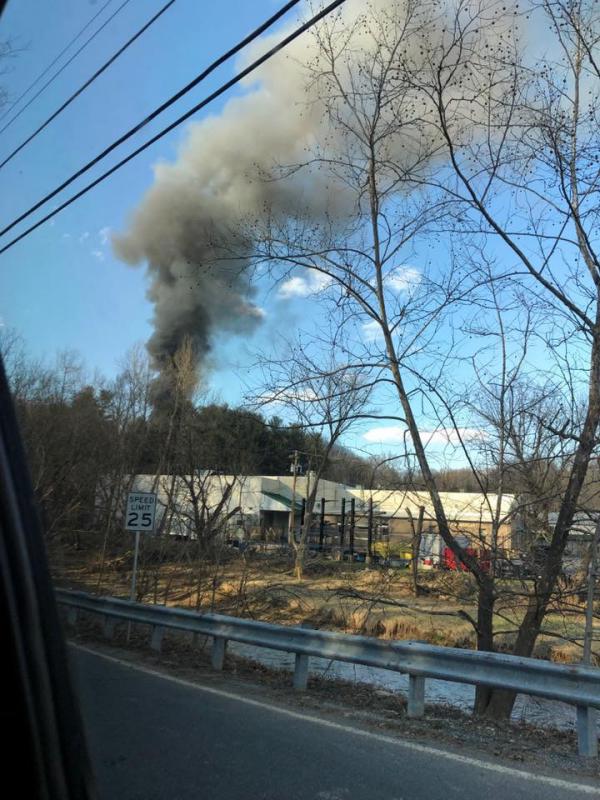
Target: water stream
(534,710)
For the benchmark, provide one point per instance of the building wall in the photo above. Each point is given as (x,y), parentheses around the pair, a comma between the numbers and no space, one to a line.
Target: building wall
(265,503)
(399,530)
(478,533)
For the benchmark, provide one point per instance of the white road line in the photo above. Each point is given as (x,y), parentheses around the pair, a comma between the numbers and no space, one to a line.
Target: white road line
(286,712)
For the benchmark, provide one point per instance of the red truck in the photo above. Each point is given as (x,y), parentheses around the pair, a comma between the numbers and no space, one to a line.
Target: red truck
(449,560)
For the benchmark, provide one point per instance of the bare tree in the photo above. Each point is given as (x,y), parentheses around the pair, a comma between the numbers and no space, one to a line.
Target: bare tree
(128,408)
(380,160)
(440,124)
(323,396)
(519,129)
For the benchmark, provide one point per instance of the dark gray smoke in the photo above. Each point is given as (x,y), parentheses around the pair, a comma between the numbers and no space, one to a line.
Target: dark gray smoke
(187,227)
(199,286)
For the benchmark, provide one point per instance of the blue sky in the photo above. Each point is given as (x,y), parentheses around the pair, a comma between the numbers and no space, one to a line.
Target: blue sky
(62,287)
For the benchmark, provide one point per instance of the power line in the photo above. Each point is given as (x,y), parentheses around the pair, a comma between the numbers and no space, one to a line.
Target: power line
(82,88)
(221,90)
(173,99)
(54,60)
(64,66)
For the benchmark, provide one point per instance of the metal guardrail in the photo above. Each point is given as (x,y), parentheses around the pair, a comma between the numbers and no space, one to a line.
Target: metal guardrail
(572,684)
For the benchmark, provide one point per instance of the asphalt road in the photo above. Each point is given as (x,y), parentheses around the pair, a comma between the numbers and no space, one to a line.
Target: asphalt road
(156,738)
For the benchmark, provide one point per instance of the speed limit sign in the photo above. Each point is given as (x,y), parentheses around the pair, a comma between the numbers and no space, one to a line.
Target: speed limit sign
(141,510)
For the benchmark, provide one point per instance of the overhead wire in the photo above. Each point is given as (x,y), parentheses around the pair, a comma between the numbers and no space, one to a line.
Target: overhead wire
(64,66)
(217,93)
(54,60)
(89,81)
(160,109)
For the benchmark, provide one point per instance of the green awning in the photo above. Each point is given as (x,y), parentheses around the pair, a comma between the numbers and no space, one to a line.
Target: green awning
(285,501)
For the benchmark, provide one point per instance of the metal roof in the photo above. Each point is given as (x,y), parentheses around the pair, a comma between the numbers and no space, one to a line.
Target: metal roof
(458,506)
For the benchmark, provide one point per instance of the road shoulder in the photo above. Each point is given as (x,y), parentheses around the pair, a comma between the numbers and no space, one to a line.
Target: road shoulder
(548,753)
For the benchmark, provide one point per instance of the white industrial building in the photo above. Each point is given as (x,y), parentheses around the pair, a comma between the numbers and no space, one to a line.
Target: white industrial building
(259,507)
(258,503)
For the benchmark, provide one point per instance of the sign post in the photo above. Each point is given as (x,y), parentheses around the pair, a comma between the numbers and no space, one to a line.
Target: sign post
(139,517)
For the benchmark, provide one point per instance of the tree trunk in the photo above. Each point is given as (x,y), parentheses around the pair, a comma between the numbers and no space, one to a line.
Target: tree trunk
(502,701)
(417,533)
(485,638)
(308,515)
(305,530)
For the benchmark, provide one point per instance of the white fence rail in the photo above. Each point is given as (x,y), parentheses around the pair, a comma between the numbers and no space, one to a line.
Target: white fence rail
(577,685)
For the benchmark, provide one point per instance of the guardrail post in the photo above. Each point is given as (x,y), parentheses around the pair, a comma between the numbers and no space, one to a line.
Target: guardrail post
(157,635)
(217,656)
(109,627)
(587,731)
(72,615)
(300,672)
(416,696)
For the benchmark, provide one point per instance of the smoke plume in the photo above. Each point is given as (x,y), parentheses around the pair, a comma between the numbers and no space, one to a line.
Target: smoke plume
(189,227)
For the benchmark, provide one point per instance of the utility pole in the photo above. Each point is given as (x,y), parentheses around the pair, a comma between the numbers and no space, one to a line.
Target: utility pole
(292,521)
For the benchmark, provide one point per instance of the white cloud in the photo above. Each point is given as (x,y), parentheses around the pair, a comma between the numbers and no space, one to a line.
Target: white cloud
(452,436)
(403,279)
(104,234)
(294,287)
(85,235)
(98,254)
(304,286)
(396,434)
(286,395)
(371,331)
(391,434)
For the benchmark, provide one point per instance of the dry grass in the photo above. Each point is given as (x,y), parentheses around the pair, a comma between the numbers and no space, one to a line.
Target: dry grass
(335,596)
